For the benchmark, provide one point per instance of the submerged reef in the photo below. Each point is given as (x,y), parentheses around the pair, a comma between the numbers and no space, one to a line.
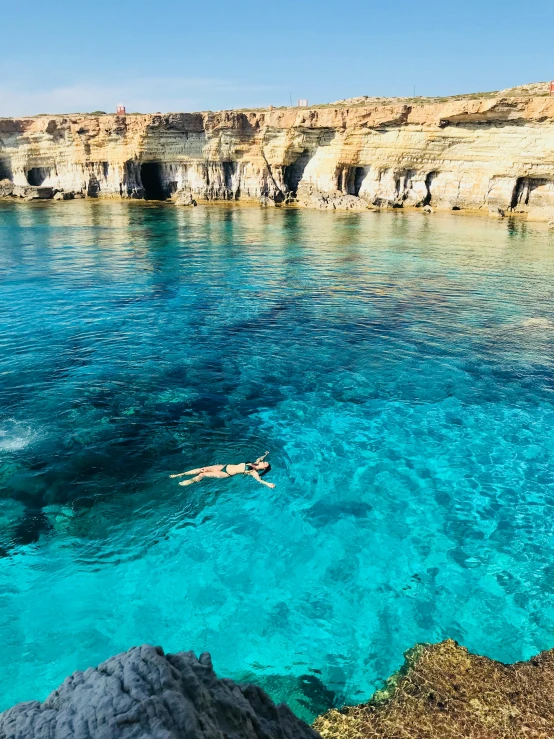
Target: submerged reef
(144,693)
(443,691)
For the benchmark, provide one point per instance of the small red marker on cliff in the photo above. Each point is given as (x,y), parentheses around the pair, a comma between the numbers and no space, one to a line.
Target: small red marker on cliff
(120,110)
(552,89)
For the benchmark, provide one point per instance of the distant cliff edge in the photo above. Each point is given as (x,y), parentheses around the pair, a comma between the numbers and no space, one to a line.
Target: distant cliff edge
(491,153)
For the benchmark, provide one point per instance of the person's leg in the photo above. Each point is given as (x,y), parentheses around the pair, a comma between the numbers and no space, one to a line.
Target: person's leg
(198,478)
(209,472)
(199,470)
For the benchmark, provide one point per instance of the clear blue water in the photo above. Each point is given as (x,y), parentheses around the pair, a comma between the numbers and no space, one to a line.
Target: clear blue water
(399,368)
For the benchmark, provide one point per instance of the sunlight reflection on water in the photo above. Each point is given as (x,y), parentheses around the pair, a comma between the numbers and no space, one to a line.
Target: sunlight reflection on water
(398,367)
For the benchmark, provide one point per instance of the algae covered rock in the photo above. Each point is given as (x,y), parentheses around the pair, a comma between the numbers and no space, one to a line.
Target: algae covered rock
(443,691)
(145,694)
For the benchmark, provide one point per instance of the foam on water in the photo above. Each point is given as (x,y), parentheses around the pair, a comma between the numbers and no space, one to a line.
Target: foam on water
(400,370)
(15,435)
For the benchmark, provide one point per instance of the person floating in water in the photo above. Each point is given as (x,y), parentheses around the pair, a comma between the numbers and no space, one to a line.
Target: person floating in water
(255,469)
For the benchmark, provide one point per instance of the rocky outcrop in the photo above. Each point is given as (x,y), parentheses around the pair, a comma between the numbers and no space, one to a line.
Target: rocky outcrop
(184,197)
(443,691)
(6,188)
(477,153)
(29,192)
(144,694)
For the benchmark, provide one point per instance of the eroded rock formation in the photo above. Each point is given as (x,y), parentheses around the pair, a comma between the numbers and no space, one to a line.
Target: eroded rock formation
(444,692)
(490,154)
(144,694)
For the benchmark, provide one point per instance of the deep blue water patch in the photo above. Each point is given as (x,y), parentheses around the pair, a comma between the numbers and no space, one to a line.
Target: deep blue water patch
(400,370)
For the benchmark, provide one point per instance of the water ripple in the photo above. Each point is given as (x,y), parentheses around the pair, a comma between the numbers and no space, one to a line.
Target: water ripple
(400,369)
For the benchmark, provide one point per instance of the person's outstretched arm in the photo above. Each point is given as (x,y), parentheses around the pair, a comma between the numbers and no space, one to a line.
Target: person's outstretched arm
(255,475)
(261,459)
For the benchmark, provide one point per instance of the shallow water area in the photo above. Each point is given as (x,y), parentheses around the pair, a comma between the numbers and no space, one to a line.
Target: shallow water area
(399,368)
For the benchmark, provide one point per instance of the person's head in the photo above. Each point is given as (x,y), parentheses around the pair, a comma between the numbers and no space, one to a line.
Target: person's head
(262,468)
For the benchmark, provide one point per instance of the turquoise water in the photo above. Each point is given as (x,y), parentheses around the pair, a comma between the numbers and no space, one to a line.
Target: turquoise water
(399,368)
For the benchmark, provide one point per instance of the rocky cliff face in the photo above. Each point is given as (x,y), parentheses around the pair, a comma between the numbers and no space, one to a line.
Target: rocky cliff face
(144,694)
(480,154)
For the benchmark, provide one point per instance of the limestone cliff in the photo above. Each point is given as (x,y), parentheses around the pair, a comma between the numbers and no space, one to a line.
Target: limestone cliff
(483,154)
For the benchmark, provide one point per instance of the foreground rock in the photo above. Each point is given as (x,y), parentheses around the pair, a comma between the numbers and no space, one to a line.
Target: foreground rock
(143,693)
(444,692)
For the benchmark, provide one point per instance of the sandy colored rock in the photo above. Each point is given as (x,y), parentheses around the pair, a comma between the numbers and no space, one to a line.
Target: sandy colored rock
(28,192)
(184,197)
(6,188)
(443,691)
(477,153)
(541,214)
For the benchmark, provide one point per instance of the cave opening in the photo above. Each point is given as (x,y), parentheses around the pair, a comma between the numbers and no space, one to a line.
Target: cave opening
(5,174)
(428,183)
(520,195)
(293,173)
(37,175)
(523,188)
(152,181)
(355,177)
(229,171)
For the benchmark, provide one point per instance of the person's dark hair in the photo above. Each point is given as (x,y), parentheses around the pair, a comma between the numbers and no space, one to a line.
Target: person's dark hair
(263,472)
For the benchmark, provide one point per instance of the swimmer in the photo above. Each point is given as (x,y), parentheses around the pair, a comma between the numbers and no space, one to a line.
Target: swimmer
(220,471)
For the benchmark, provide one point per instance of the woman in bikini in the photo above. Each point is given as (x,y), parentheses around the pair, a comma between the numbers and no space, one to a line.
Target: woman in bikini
(255,469)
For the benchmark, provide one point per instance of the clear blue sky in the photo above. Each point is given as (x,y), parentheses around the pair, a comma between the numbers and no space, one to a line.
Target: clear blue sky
(67,56)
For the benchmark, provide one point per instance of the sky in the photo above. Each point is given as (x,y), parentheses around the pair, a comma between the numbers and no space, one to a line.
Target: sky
(70,56)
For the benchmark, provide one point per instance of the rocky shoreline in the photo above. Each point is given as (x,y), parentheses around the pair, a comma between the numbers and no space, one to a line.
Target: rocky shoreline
(441,691)
(489,154)
(446,692)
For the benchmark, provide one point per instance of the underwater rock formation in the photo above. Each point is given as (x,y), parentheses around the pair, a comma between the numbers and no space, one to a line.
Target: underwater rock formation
(145,694)
(443,691)
(482,153)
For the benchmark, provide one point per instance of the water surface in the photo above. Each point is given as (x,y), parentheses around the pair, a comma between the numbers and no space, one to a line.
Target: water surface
(398,367)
